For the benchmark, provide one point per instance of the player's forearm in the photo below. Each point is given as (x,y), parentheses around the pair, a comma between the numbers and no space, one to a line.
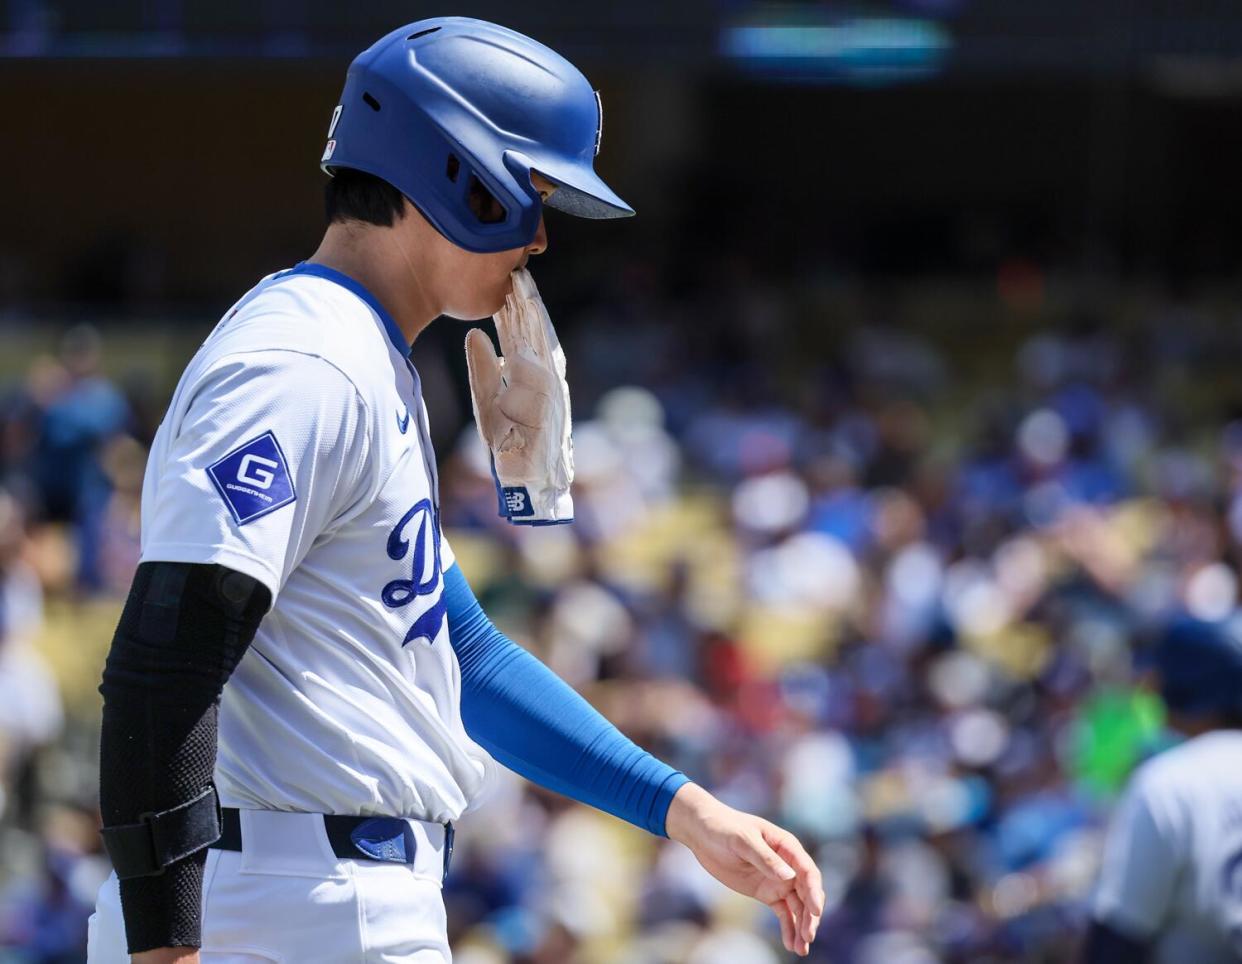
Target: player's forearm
(182,631)
(535,724)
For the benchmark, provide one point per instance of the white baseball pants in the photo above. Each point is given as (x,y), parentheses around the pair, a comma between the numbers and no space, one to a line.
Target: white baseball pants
(288,898)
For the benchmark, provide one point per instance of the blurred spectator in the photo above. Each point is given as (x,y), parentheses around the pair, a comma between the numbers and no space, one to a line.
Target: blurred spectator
(60,427)
(30,710)
(892,605)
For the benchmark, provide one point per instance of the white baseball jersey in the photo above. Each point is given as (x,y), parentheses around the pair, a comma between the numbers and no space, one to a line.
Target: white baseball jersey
(295,450)
(1172,871)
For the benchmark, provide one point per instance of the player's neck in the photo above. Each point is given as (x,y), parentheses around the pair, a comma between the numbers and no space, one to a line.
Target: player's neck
(371,258)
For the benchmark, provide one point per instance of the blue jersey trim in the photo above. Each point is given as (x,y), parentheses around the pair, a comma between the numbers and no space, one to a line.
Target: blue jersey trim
(357,288)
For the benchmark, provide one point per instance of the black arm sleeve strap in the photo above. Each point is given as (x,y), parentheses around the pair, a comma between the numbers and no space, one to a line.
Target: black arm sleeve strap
(145,848)
(183,631)
(1104,945)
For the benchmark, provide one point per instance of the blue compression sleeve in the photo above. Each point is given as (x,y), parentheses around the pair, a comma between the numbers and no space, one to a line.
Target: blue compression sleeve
(534,723)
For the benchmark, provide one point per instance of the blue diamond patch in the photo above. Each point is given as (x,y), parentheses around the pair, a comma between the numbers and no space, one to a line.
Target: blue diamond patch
(254,479)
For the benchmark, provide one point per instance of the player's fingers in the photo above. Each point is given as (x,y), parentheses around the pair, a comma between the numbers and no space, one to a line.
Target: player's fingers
(797,912)
(781,910)
(526,318)
(482,365)
(508,327)
(533,330)
(803,928)
(483,369)
(524,286)
(756,852)
(809,882)
(539,331)
(797,916)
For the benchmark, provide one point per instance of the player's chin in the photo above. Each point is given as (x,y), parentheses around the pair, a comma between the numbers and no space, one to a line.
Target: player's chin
(483,296)
(479,308)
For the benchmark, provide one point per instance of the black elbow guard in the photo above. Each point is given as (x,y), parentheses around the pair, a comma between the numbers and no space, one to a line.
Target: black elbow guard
(183,631)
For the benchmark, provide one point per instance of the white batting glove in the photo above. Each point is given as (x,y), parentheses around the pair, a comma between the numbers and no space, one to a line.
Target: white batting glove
(521,408)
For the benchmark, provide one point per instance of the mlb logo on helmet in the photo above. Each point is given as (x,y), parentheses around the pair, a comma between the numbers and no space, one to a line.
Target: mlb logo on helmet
(330,148)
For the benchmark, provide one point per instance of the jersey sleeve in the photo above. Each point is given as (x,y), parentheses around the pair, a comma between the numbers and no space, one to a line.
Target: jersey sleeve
(1143,856)
(265,458)
(447,557)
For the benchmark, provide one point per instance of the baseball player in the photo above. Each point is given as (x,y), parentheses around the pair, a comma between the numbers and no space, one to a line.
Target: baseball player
(303,694)
(1170,888)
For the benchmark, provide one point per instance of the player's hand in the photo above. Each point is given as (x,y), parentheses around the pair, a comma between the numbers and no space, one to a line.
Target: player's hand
(167,955)
(521,407)
(753,857)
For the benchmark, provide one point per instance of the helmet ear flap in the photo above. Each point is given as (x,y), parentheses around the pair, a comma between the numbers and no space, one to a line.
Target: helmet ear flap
(490,203)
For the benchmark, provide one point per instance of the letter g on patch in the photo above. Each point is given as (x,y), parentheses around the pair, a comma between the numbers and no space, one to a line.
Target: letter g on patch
(250,473)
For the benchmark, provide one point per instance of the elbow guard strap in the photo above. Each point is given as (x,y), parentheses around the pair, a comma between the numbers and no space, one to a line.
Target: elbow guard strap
(145,848)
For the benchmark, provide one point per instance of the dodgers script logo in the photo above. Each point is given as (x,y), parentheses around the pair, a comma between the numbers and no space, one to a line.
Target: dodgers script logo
(419,531)
(253,479)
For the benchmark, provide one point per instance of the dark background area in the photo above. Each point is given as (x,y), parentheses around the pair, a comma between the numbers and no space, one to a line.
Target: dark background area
(157,154)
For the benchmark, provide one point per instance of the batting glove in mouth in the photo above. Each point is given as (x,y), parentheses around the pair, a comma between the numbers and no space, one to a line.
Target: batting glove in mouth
(521,408)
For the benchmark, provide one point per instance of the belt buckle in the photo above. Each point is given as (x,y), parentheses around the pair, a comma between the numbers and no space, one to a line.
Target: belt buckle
(386,839)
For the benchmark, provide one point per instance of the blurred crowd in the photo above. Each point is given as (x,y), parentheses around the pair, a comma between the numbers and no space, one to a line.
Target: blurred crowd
(895,607)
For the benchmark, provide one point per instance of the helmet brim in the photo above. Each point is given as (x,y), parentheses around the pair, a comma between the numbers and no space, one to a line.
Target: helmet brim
(582,193)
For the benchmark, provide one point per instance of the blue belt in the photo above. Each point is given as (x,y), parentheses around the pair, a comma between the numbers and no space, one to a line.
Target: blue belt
(385,839)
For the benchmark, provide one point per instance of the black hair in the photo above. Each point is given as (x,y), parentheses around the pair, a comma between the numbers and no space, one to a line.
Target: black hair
(357,196)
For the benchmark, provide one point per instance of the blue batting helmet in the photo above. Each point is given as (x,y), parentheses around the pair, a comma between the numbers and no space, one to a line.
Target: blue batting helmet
(1200,667)
(438,103)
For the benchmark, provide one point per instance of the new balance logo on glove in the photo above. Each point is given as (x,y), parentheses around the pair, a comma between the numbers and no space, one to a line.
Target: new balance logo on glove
(517,502)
